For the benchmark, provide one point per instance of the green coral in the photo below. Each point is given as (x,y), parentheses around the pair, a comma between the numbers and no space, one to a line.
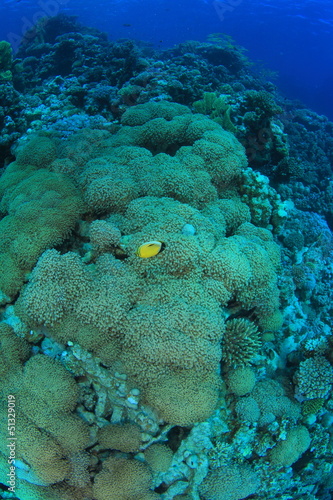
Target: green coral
(143,337)
(39,208)
(143,113)
(6,60)
(153,197)
(218,109)
(264,138)
(312,406)
(288,451)
(233,482)
(47,430)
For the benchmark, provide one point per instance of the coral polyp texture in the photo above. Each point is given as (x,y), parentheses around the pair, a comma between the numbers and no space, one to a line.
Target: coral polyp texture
(147,378)
(39,209)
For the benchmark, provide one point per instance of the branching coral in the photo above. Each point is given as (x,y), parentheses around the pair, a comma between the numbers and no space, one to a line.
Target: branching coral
(241,342)
(314,377)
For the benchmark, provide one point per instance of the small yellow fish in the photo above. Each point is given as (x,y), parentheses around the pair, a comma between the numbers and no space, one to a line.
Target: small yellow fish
(149,249)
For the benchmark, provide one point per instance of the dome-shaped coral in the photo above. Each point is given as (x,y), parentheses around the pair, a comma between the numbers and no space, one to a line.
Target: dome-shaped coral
(231,482)
(287,452)
(159,457)
(122,479)
(241,380)
(123,437)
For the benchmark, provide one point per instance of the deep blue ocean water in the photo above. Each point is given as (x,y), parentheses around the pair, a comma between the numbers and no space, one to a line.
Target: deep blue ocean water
(294,39)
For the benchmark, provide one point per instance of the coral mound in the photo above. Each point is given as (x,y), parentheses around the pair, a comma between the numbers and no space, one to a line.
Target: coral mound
(155,329)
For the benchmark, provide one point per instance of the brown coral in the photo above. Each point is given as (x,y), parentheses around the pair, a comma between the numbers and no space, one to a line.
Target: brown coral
(40,209)
(287,452)
(122,479)
(123,437)
(232,482)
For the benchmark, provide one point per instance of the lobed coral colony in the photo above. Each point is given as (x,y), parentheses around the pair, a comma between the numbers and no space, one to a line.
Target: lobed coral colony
(165,329)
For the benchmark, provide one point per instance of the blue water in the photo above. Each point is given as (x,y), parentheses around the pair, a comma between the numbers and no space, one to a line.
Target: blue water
(292,38)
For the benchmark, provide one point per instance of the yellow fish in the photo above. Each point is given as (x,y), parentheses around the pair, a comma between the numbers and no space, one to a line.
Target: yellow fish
(149,249)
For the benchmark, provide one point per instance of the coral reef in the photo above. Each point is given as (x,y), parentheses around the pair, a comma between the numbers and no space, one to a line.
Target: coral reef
(89,81)
(204,370)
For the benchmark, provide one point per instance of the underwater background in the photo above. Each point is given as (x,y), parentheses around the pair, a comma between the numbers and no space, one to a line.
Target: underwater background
(166,214)
(293,39)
